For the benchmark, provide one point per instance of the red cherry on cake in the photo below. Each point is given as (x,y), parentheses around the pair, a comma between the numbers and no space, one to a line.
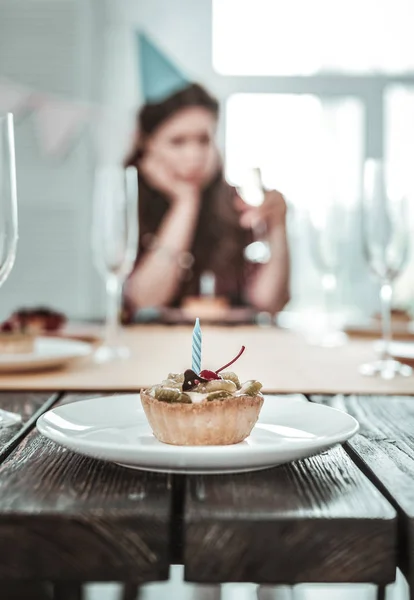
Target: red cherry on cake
(192,380)
(243,348)
(209,375)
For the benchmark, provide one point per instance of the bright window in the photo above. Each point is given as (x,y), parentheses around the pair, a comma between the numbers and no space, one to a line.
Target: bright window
(303,37)
(399,138)
(399,149)
(307,147)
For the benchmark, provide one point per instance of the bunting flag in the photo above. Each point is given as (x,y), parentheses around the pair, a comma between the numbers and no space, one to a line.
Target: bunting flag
(59,120)
(14,98)
(57,123)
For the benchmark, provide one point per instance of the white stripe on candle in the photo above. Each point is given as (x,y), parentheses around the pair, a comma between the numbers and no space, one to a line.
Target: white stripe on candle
(196,347)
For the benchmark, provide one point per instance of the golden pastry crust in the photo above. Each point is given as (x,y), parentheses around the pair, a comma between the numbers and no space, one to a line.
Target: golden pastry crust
(208,423)
(16,343)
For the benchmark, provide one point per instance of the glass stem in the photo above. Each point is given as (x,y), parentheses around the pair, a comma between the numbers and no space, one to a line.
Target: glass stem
(386,299)
(113,300)
(260,236)
(329,287)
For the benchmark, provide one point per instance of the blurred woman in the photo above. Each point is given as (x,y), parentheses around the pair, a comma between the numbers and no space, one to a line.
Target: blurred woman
(192,221)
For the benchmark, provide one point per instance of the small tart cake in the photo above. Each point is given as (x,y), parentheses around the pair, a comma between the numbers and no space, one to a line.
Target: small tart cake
(208,409)
(206,423)
(15,341)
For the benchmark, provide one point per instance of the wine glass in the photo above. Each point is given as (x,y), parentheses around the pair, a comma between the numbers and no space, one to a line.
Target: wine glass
(386,242)
(328,237)
(114,245)
(252,192)
(8,219)
(258,251)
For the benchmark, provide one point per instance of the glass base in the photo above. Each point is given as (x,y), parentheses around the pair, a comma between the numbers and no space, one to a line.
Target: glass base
(386,369)
(108,353)
(8,419)
(258,252)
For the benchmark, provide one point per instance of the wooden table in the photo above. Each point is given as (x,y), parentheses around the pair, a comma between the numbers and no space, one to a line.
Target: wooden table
(281,360)
(384,451)
(343,516)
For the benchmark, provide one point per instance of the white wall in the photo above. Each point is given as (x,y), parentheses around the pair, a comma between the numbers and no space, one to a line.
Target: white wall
(48,45)
(84,50)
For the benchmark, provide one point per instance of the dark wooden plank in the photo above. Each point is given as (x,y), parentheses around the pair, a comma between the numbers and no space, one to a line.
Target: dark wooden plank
(64,517)
(384,448)
(381,592)
(24,590)
(68,591)
(316,520)
(29,406)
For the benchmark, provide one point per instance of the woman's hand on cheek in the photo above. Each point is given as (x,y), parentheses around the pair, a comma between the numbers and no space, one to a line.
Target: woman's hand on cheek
(160,176)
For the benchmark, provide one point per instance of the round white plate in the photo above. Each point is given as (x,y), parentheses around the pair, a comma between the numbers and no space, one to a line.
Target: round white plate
(49,352)
(399,350)
(115,429)
(403,350)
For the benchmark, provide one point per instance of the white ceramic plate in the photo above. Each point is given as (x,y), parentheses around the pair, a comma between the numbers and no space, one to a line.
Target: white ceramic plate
(399,350)
(48,353)
(403,350)
(115,429)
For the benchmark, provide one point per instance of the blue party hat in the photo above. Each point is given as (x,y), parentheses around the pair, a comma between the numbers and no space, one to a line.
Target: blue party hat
(159,76)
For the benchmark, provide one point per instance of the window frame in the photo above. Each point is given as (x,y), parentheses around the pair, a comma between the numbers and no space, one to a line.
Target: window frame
(369,89)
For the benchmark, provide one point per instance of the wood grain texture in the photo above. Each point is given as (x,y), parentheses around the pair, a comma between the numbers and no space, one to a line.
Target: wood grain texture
(316,520)
(24,590)
(29,406)
(66,517)
(68,591)
(384,448)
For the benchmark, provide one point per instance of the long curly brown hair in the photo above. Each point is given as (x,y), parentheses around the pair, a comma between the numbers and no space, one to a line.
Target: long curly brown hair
(219,240)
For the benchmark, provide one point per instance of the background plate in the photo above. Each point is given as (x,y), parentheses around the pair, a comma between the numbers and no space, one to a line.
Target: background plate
(49,352)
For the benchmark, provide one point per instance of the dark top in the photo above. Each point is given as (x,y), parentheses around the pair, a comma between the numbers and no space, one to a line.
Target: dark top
(218,244)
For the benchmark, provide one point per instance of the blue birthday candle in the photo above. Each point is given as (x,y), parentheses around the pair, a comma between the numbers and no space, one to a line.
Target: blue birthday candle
(196,348)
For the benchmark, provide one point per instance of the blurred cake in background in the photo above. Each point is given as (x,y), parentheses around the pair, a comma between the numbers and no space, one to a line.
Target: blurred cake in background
(19,331)
(204,307)
(14,339)
(39,320)
(207,305)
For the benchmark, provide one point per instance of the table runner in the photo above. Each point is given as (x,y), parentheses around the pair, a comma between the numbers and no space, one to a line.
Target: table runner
(281,359)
